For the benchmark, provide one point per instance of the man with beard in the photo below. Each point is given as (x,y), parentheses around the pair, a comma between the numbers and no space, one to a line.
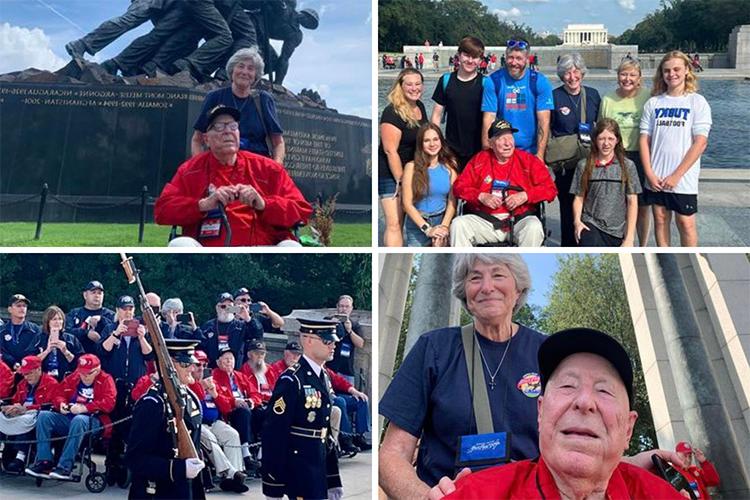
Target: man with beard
(18,336)
(524,98)
(229,330)
(299,458)
(88,322)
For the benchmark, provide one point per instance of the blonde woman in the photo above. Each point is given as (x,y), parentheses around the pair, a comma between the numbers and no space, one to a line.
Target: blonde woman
(625,106)
(674,134)
(399,123)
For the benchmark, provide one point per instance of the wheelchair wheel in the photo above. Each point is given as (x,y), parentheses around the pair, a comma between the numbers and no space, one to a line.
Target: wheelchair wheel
(95,482)
(124,478)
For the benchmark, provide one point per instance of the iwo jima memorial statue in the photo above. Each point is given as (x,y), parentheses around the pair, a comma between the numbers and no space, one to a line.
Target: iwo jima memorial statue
(96,134)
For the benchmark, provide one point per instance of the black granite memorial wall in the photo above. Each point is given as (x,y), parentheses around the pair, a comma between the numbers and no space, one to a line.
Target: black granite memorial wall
(99,145)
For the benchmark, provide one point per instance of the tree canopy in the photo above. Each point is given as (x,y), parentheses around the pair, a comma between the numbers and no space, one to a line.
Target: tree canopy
(690,25)
(284,281)
(411,22)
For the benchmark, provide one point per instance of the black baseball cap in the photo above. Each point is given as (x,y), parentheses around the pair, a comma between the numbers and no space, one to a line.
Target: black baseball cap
(222,110)
(223,351)
(257,345)
(18,297)
(125,301)
(562,344)
(241,291)
(182,350)
(294,347)
(223,297)
(499,127)
(93,285)
(323,328)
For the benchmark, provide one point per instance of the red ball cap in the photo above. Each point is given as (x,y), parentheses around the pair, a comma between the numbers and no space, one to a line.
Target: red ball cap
(29,364)
(88,363)
(683,447)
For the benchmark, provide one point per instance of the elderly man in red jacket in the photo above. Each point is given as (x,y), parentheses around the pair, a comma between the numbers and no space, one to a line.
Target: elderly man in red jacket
(18,419)
(6,380)
(84,392)
(701,475)
(497,184)
(261,201)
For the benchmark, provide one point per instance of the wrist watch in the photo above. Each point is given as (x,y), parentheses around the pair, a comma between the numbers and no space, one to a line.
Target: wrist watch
(425,227)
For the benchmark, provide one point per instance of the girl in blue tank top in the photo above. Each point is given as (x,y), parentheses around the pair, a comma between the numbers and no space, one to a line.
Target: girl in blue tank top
(427,190)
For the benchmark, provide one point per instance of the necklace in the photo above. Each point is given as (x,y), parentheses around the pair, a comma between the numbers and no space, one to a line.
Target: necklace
(493,375)
(244,101)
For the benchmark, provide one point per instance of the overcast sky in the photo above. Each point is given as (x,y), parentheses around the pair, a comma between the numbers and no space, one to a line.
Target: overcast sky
(555,15)
(334,59)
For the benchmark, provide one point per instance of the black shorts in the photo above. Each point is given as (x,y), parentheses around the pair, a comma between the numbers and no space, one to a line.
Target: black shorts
(635,157)
(683,204)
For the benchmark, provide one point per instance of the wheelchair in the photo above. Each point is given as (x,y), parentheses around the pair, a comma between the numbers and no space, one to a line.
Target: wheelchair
(510,222)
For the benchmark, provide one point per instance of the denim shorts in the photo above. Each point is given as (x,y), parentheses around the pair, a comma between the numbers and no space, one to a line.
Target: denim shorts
(414,236)
(386,187)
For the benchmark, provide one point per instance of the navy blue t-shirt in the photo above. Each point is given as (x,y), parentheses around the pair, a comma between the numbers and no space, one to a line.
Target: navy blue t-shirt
(252,133)
(566,116)
(429,397)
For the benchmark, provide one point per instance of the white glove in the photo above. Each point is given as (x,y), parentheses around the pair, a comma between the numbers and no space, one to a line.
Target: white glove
(193,467)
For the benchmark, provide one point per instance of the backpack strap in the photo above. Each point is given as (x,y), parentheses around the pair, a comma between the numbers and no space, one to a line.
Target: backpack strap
(255,94)
(475,370)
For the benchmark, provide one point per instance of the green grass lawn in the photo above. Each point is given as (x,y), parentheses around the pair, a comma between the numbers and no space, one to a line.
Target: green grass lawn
(17,234)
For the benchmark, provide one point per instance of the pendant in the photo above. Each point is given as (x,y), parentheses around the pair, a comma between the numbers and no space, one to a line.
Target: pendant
(492,385)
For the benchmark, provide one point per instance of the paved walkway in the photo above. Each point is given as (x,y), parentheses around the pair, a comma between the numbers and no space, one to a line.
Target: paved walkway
(356,473)
(723,211)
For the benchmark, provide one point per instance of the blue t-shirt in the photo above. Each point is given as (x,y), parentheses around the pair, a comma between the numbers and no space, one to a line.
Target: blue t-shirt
(430,397)
(516,103)
(436,198)
(252,133)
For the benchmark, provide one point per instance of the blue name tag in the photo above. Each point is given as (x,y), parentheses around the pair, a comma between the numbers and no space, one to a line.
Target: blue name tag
(482,450)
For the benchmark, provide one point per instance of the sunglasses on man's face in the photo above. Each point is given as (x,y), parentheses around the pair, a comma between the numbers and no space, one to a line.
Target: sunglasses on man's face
(244,299)
(224,306)
(518,44)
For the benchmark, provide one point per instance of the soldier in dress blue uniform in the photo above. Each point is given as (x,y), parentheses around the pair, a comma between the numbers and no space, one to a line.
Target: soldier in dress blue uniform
(151,448)
(299,459)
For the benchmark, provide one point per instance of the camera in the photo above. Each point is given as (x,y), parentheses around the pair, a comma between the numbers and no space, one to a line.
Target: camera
(185,318)
(255,308)
(671,475)
(132,330)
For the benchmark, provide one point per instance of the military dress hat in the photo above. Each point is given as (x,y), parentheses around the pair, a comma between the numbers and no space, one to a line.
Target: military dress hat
(29,364)
(93,285)
(182,350)
(219,110)
(324,329)
(294,347)
(125,301)
(223,297)
(499,127)
(17,297)
(257,345)
(562,344)
(241,291)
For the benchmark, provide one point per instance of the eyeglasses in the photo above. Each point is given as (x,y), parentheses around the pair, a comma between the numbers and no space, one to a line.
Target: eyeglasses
(184,364)
(242,300)
(224,306)
(325,342)
(221,126)
(518,44)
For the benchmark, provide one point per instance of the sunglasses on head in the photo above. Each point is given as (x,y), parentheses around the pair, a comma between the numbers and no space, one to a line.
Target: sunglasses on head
(518,44)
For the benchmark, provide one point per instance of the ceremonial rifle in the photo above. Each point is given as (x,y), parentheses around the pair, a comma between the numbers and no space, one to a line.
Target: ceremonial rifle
(176,394)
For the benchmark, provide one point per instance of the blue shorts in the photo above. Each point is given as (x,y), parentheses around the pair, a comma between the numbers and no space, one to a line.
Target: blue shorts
(414,236)
(386,187)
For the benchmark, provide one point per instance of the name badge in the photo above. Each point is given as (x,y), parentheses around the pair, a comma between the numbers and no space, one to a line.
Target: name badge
(479,451)
(210,228)
(584,133)
(346,350)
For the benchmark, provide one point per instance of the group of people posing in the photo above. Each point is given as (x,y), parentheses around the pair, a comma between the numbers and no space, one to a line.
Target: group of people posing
(93,367)
(512,143)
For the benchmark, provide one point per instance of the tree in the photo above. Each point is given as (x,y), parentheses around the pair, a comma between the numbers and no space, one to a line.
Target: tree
(588,291)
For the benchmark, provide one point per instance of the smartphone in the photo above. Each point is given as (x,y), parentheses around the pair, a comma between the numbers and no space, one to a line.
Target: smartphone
(255,308)
(184,318)
(341,317)
(132,330)
(234,309)
(206,372)
(672,476)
